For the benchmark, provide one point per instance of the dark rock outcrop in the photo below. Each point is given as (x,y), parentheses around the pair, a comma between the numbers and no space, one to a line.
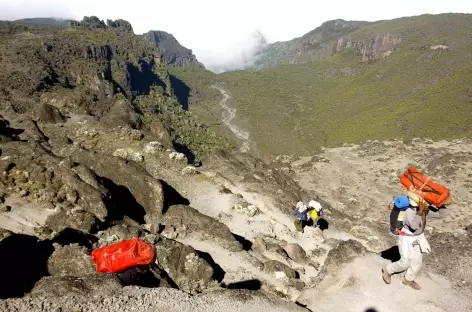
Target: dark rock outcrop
(184,219)
(120,25)
(174,52)
(88,22)
(71,260)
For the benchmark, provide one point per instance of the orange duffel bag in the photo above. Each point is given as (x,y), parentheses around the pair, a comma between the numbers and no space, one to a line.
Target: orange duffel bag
(120,256)
(433,192)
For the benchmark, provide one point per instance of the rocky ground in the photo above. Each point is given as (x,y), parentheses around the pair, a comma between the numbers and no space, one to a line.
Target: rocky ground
(89,158)
(74,185)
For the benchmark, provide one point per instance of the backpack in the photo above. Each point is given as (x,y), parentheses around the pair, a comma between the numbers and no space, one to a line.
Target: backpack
(397,214)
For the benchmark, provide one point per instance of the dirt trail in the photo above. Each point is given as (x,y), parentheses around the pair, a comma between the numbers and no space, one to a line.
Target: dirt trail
(359,287)
(229,115)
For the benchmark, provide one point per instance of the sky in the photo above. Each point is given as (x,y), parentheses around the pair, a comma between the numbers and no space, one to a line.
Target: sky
(221,32)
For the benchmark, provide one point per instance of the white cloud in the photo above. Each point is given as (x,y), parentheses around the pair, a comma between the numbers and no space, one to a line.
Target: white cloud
(219,31)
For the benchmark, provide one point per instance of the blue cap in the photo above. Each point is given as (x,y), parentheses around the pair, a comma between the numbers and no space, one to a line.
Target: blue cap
(401,202)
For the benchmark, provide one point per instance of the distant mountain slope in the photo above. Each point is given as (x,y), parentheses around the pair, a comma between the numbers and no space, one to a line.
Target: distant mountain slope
(313,45)
(40,21)
(403,78)
(174,53)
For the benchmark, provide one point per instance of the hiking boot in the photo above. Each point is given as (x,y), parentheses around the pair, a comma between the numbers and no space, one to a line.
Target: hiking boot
(412,284)
(299,225)
(387,277)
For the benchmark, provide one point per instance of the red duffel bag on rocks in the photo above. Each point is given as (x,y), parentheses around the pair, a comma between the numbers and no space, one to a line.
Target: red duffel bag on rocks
(121,256)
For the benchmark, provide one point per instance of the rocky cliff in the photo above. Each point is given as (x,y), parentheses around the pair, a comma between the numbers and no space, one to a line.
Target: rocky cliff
(173,52)
(330,38)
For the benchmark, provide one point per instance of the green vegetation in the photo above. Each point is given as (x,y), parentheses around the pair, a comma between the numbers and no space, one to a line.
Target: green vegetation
(414,92)
(203,99)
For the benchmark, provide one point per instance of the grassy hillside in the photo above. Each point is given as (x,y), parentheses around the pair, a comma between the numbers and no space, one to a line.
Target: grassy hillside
(416,91)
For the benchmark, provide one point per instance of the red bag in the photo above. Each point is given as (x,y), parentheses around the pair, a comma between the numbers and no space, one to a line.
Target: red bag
(120,256)
(433,192)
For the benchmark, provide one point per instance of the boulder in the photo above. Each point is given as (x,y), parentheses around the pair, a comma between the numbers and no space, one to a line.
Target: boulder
(129,154)
(296,253)
(71,260)
(122,114)
(157,128)
(78,220)
(189,170)
(184,266)
(47,114)
(185,219)
(270,248)
(147,191)
(249,210)
(273,266)
(153,148)
(57,286)
(177,156)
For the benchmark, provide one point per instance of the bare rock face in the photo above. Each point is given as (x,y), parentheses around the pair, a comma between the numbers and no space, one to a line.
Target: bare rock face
(187,219)
(147,191)
(48,114)
(71,260)
(184,266)
(296,253)
(58,286)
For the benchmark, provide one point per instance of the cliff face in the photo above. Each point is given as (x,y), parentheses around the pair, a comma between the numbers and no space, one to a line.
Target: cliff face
(173,52)
(372,47)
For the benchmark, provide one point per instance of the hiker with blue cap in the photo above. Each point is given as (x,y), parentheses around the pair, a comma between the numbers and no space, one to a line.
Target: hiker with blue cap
(407,223)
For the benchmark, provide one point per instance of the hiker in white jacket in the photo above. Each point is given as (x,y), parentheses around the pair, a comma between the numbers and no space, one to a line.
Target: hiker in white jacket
(411,244)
